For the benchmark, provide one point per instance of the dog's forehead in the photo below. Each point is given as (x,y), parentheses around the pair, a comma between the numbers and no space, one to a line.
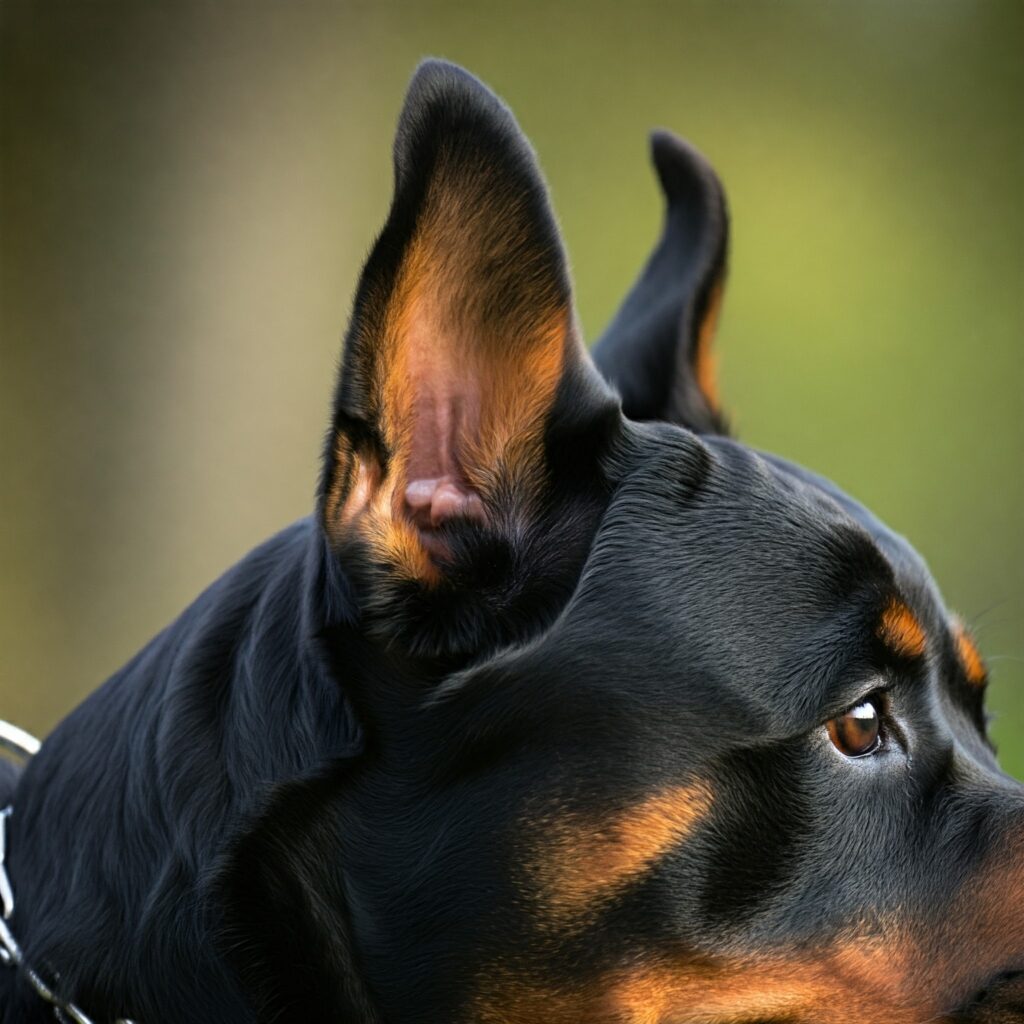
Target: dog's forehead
(720,568)
(712,522)
(753,514)
(908,567)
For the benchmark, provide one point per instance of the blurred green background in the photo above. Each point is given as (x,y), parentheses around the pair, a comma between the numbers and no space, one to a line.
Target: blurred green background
(188,190)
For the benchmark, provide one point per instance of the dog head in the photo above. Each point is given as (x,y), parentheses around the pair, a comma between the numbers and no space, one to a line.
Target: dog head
(658,728)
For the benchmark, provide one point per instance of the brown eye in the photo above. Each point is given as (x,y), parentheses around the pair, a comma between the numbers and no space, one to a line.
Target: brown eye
(857,732)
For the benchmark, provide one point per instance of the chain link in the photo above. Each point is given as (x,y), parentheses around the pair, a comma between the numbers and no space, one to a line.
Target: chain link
(18,742)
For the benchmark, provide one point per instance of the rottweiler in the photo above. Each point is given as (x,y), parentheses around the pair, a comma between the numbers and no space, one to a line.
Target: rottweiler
(563,707)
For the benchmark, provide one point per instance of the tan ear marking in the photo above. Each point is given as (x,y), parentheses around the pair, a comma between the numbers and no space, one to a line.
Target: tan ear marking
(472,344)
(705,360)
(462,399)
(969,656)
(900,630)
(461,341)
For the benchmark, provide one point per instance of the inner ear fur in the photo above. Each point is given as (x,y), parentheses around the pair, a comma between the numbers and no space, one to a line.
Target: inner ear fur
(462,332)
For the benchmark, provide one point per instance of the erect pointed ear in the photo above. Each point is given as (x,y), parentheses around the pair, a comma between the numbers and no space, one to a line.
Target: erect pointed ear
(463,341)
(657,351)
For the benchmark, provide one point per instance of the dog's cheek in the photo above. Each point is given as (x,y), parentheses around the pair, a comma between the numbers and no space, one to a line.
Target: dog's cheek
(580,865)
(837,988)
(755,845)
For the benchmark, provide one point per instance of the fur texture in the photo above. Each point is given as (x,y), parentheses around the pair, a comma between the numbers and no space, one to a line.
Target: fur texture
(528,722)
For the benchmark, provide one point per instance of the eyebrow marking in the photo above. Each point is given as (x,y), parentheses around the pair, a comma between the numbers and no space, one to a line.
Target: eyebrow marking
(969,656)
(900,630)
(583,862)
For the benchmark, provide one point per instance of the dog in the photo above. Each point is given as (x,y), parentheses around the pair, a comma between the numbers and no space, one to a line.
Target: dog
(563,707)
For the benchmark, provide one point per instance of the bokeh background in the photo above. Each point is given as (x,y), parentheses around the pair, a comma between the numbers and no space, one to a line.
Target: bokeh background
(188,190)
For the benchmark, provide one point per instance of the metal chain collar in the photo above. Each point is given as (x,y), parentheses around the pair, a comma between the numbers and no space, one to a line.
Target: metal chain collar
(17,741)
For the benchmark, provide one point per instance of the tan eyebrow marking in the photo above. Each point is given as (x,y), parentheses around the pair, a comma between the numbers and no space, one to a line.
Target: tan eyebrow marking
(900,630)
(582,862)
(970,657)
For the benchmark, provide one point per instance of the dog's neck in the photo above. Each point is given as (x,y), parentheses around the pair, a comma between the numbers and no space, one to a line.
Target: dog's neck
(188,743)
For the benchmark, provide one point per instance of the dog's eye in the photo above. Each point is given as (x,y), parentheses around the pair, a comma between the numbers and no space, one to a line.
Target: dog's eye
(857,732)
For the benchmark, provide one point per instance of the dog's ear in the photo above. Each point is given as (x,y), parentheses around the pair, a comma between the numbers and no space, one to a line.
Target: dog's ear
(657,351)
(462,343)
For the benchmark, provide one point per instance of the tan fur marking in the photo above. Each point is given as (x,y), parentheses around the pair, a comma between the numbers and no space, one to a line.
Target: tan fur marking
(900,630)
(341,483)
(583,863)
(900,968)
(469,352)
(705,361)
(970,657)
(851,981)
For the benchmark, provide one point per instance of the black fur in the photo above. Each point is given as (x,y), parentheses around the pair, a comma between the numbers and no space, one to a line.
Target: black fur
(649,348)
(315,796)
